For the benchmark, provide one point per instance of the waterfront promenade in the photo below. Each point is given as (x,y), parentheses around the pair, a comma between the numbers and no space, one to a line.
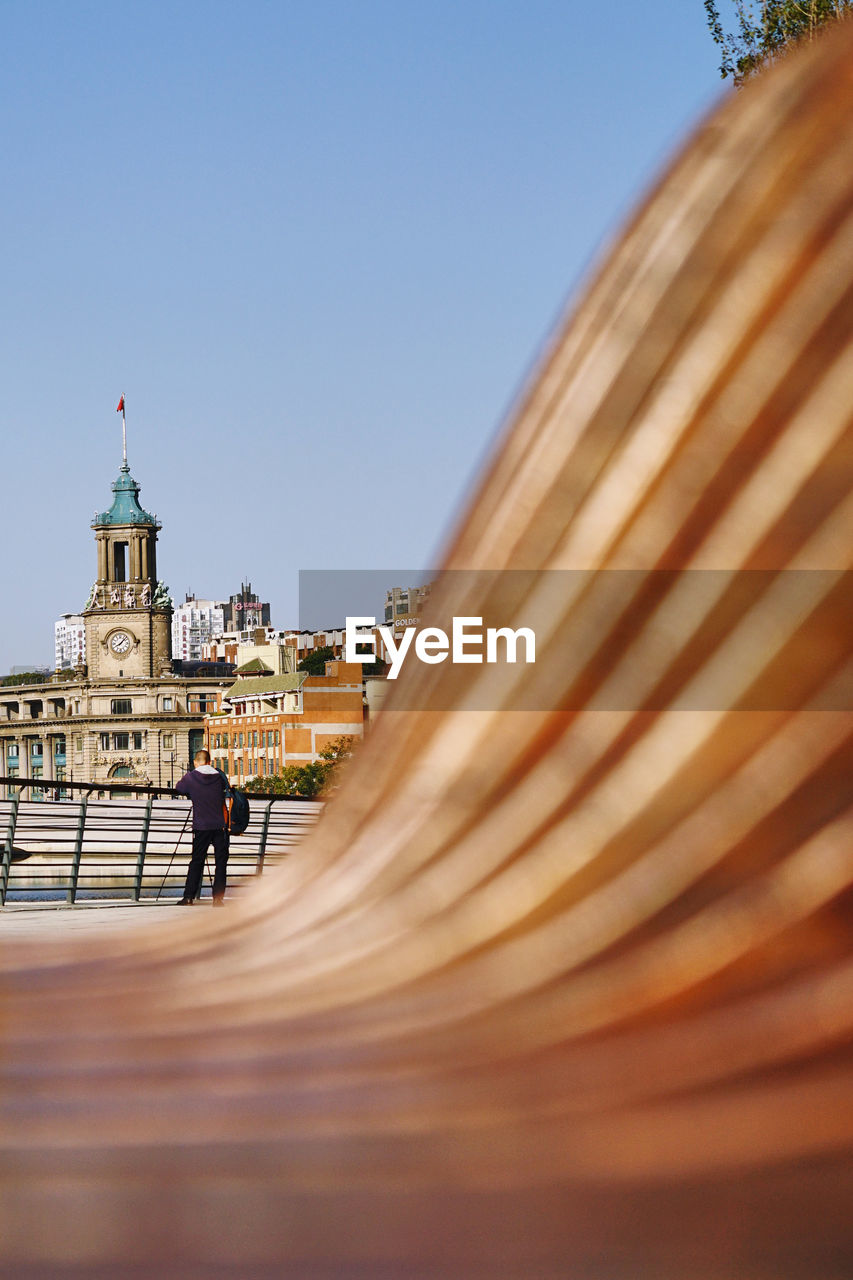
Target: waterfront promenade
(47,921)
(125,848)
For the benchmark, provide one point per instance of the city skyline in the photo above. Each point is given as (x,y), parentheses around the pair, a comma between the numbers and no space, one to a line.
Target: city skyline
(319,253)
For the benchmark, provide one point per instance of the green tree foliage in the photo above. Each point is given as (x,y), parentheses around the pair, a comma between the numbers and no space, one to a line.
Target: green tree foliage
(25,677)
(767,29)
(315,662)
(314,779)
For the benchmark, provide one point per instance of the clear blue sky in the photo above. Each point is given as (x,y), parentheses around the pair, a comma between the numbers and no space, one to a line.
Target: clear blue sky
(318,246)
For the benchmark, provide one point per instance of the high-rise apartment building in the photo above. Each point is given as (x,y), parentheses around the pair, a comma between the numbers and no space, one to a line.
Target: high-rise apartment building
(70,641)
(194,624)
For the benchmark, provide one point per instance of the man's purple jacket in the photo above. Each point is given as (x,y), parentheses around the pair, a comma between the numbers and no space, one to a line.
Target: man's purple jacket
(205,786)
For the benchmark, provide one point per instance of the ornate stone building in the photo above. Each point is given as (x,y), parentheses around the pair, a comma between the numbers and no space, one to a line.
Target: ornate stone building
(128,613)
(125,715)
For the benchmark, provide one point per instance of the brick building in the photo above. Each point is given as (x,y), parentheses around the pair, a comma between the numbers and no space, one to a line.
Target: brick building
(268,721)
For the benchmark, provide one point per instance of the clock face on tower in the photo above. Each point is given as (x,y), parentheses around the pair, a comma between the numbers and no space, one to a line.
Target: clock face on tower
(119,642)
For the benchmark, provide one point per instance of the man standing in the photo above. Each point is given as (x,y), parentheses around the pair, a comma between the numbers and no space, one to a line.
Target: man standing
(207,789)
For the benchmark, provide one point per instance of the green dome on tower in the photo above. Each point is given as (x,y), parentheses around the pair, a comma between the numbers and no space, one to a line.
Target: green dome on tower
(125,508)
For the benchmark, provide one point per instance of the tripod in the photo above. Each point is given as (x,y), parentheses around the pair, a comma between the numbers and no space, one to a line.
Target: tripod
(172,858)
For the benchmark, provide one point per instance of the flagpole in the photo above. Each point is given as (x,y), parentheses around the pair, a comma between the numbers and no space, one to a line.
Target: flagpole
(123,435)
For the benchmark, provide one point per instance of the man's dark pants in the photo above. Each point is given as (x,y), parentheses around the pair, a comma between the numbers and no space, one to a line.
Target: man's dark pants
(202,840)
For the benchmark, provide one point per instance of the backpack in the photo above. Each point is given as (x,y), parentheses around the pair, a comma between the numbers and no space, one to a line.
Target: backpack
(238,813)
(236,808)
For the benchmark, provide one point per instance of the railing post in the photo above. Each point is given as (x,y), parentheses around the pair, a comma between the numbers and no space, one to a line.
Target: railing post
(7,847)
(143,847)
(78,849)
(262,843)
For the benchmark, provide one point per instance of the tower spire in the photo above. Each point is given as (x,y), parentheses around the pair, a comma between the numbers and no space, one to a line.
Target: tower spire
(120,409)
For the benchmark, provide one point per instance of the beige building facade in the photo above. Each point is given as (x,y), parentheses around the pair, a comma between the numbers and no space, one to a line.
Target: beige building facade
(124,716)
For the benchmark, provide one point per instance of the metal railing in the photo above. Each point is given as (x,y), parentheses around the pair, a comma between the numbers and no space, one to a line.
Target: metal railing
(77,841)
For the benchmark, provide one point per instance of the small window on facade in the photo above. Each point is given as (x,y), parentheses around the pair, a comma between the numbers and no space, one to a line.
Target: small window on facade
(225,739)
(121,707)
(168,704)
(105,741)
(122,741)
(78,744)
(38,749)
(137,742)
(168,741)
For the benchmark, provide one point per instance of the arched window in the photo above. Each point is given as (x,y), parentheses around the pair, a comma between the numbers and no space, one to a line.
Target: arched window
(120,773)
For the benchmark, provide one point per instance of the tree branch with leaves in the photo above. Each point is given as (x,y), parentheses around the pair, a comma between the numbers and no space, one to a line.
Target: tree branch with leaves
(317,778)
(765,30)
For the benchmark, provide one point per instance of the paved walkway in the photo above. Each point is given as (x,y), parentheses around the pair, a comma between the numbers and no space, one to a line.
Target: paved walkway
(40,919)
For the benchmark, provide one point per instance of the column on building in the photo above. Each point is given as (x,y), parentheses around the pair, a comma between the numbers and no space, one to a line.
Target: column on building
(103,556)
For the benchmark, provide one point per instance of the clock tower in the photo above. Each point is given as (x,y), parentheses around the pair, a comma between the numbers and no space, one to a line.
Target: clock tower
(128,614)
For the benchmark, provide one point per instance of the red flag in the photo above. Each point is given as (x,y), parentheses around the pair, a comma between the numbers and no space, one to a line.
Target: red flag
(120,406)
